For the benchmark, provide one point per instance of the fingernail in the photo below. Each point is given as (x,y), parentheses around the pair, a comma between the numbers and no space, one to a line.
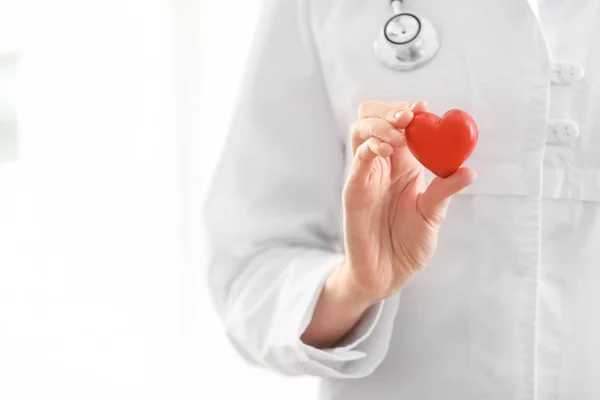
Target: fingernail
(398,114)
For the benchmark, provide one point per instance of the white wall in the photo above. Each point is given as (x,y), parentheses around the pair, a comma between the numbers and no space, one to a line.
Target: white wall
(8,34)
(9,25)
(96,301)
(90,262)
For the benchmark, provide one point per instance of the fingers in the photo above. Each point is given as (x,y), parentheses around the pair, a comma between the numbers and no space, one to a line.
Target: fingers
(389,130)
(433,203)
(378,109)
(383,130)
(365,157)
(379,130)
(401,119)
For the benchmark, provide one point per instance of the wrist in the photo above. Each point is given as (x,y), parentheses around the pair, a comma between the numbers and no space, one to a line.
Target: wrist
(338,310)
(343,286)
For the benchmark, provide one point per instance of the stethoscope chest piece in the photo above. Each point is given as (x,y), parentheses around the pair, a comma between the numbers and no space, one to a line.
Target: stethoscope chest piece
(406,42)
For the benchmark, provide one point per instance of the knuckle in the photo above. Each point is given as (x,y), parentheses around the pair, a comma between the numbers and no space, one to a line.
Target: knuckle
(370,129)
(357,129)
(399,106)
(354,128)
(373,142)
(362,109)
(362,129)
(380,129)
(366,107)
(361,154)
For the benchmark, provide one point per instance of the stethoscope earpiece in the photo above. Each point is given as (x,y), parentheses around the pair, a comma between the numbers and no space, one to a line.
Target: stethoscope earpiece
(406,41)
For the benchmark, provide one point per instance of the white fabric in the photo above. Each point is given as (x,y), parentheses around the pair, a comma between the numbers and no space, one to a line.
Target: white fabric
(508,307)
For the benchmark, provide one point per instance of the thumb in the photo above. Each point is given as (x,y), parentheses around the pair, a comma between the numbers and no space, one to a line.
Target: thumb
(433,203)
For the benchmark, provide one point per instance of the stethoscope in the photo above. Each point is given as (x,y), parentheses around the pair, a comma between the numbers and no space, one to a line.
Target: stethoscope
(406,41)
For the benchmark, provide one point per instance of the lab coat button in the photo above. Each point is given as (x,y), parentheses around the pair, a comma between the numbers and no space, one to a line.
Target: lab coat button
(563,131)
(567,72)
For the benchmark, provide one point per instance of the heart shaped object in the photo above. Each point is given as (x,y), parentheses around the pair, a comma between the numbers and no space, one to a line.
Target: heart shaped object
(443,144)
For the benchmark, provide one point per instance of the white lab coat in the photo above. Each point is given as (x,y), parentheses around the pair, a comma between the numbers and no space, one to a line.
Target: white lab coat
(509,307)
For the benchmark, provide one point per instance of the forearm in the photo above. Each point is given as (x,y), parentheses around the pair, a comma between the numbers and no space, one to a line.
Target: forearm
(338,310)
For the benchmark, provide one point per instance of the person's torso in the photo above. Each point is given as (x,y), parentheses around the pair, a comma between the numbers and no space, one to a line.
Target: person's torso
(509,307)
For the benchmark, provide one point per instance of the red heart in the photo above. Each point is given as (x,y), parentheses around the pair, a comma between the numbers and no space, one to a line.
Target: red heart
(442,144)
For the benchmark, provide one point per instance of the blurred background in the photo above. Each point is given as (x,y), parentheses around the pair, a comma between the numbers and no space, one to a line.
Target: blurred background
(112,115)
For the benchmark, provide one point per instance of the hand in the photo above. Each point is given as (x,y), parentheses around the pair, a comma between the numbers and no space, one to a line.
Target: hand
(391,219)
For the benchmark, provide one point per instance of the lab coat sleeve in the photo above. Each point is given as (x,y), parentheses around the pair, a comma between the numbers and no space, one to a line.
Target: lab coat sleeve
(274,210)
